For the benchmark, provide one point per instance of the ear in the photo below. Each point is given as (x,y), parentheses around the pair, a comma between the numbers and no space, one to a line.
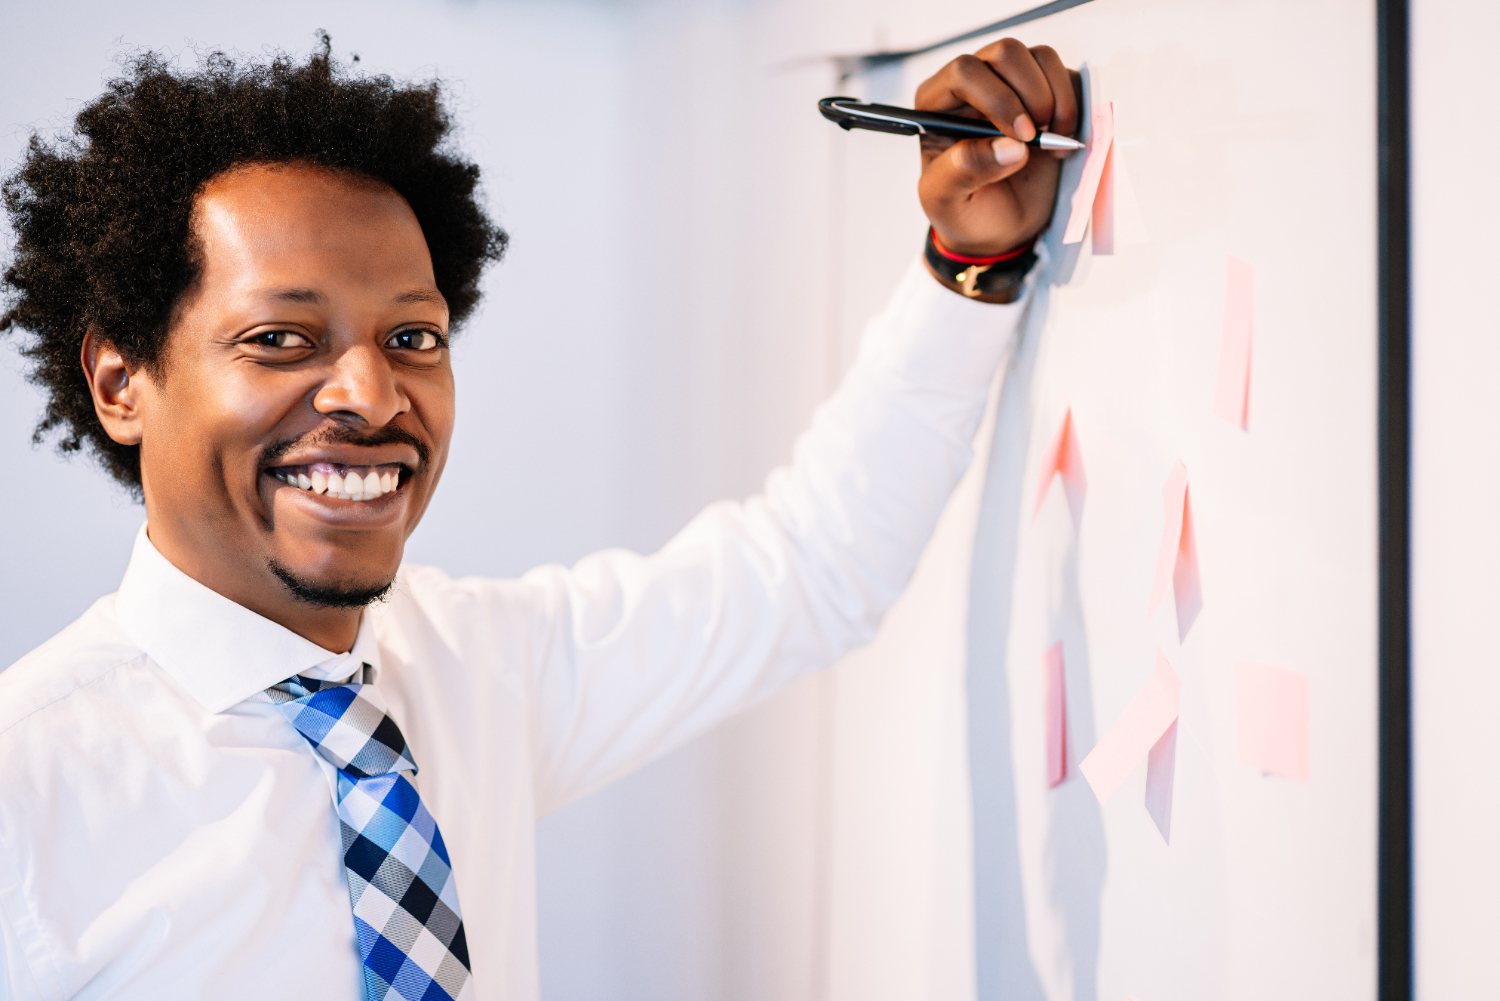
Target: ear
(115,389)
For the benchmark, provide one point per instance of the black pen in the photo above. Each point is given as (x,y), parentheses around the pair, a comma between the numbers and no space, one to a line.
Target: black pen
(848,113)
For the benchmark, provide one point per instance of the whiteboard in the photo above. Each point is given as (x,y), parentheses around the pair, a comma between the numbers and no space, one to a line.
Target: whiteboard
(1245,129)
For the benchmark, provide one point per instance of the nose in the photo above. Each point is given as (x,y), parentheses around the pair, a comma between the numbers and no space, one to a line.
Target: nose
(362,389)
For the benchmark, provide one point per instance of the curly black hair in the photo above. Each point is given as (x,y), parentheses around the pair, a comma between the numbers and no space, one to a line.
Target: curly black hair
(101,215)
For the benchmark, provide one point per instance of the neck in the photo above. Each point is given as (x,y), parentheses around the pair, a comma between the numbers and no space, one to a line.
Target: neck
(259,589)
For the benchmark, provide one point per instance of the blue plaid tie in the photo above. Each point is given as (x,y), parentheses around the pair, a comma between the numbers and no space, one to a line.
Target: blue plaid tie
(406,913)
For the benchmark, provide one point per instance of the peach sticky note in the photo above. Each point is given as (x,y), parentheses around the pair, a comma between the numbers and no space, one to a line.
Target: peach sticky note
(1081,208)
(1161,767)
(1063,458)
(1232,396)
(1177,559)
(1271,721)
(1054,714)
(1103,225)
(1139,728)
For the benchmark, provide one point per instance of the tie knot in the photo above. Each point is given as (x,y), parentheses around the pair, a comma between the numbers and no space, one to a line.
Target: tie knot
(347,724)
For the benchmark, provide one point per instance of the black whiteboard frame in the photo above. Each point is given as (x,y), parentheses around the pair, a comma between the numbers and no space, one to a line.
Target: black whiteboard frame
(1394,960)
(1394,875)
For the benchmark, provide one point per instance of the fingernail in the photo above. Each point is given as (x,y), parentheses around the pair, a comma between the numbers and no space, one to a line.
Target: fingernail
(1008,152)
(1025,131)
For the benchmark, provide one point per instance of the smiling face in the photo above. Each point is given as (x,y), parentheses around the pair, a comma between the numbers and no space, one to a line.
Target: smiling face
(296,429)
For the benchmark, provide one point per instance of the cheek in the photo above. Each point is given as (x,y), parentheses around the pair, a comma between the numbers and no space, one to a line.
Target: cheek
(435,404)
(249,402)
(215,421)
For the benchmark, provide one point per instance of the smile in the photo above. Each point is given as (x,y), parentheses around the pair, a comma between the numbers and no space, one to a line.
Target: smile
(352,483)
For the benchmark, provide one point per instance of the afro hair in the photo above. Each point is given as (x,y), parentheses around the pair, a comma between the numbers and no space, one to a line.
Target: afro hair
(102,215)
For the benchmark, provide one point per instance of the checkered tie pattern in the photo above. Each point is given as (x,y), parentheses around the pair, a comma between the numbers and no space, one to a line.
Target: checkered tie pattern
(406,913)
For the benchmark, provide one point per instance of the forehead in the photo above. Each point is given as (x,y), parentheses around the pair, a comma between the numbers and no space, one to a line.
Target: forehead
(274,222)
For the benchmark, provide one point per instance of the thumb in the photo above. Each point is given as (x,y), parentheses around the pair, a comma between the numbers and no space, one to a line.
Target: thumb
(971,164)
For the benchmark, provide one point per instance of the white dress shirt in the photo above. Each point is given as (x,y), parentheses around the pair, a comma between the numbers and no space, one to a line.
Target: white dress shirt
(166,833)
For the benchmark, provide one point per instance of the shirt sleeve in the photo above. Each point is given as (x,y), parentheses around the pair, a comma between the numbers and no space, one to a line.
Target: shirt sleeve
(641,653)
(16,981)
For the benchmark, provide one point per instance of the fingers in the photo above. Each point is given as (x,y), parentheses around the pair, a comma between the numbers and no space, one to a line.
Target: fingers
(970,81)
(1018,89)
(967,166)
(1015,64)
(1060,83)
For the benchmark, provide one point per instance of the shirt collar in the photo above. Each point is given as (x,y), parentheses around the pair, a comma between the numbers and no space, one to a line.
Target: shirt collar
(220,651)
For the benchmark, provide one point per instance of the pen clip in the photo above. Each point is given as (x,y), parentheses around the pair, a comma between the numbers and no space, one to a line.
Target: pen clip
(846,118)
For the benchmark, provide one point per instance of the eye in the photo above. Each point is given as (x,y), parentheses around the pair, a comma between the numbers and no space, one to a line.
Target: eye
(279,339)
(415,340)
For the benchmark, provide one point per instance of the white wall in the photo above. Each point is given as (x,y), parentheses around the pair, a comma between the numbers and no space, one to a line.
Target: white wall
(1455,489)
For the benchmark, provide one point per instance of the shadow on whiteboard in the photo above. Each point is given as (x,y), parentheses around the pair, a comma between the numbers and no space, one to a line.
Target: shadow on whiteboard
(1014,960)
(1065,258)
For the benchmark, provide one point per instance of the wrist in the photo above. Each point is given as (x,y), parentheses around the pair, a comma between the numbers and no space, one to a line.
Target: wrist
(958,246)
(994,278)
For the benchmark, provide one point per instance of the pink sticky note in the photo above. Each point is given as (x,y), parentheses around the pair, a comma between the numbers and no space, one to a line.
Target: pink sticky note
(1177,558)
(1100,139)
(1161,768)
(1232,395)
(1103,226)
(1139,727)
(1063,458)
(1271,719)
(1054,714)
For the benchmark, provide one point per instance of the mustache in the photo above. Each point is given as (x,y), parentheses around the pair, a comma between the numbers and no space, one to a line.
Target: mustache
(342,434)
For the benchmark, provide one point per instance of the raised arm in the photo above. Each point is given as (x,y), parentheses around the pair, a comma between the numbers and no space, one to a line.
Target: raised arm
(639,653)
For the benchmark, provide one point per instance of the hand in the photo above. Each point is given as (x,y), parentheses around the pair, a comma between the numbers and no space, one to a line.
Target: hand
(987,196)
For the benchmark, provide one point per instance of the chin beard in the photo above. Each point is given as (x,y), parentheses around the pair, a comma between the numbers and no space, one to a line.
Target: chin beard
(343,595)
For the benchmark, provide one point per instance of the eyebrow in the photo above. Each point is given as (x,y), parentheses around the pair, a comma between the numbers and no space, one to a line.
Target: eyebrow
(313,297)
(305,295)
(416,295)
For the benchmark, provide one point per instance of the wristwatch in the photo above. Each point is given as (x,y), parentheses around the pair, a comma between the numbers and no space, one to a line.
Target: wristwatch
(976,276)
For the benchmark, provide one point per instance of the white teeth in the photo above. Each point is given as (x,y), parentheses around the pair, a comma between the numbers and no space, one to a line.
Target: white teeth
(348,485)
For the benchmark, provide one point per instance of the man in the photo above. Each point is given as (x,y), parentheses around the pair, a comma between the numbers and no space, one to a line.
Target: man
(278,762)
